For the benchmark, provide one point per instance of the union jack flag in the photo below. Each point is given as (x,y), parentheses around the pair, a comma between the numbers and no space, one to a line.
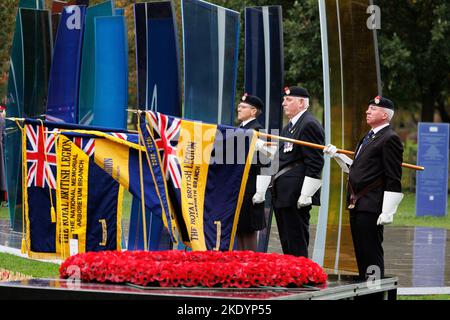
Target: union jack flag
(119,135)
(86,144)
(41,157)
(130,137)
(166,132)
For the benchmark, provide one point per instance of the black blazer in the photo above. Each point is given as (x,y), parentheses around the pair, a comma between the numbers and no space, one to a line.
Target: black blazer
(254,168)
(251,217)
(381,157)
(288,186)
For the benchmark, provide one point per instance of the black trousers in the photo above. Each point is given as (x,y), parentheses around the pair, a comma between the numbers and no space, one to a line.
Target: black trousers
(367,241)
(293,228)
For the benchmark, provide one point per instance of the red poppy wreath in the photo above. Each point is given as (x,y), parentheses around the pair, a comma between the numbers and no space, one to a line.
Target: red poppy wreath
(235,269)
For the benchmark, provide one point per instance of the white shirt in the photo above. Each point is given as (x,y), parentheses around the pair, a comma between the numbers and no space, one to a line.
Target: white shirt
(244,123)
(295,119)
(377,129)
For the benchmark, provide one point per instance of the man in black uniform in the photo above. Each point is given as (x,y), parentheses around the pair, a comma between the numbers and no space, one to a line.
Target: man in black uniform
(251,218)
(296,184)
(374,186)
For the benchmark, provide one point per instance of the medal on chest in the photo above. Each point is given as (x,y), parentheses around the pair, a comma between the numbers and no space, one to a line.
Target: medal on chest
(288,147)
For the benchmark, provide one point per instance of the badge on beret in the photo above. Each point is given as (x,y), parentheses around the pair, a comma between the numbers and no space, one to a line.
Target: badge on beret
(287,91)
(377,99)
(244,96)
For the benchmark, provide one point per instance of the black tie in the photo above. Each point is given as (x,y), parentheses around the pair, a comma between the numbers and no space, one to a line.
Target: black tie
(289,126)
(365,141)
(367,138)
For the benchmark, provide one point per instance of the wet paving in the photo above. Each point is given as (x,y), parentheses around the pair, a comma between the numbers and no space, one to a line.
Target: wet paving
(419,256)
(9,238)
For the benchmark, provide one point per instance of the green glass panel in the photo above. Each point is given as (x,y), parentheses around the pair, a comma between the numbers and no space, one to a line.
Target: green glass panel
(37,54)
(14,108)
(353,82)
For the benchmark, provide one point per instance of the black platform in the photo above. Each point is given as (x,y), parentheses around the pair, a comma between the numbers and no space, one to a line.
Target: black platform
(337,287)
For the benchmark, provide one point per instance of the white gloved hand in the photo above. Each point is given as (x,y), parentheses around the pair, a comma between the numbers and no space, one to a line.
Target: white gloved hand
(266,149)
(309,188)
(330,150)
(342,160)
(391,200)
(262,183)
(259,144)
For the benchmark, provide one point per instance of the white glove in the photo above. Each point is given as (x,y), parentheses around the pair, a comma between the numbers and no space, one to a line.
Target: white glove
(391,200)
(262,183)
(309,188)
(266,149)
(342,160)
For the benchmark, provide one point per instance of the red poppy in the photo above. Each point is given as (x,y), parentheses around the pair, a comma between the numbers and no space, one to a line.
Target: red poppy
(236,269)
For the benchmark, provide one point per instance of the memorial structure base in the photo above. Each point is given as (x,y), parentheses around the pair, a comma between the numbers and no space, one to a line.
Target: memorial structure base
(337,287)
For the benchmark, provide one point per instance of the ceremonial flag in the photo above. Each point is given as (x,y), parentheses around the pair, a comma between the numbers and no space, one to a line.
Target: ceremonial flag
(130,164)
(89,203)
(66,195)
(206,166)
(39,181)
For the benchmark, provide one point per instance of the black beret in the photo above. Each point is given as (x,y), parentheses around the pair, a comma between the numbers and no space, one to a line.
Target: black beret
(382,102)
(296,92)
(253,101)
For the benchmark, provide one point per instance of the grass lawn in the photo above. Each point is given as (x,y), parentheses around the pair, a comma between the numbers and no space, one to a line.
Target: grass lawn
(406,215)
(4,213)
(33,268)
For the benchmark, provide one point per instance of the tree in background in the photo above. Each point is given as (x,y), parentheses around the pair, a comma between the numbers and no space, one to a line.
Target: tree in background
(8,18)
(414,45)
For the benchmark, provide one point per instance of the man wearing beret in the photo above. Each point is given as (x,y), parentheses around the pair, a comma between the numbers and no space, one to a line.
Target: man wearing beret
(251,218)
(374,186)
(296,185)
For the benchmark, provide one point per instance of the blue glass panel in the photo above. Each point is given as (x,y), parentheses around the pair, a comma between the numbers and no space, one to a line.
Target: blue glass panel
(210,35)
(111,72)
(264,76)
(163,85)
(264,61)
(157,58)
(64,76)
(87,77)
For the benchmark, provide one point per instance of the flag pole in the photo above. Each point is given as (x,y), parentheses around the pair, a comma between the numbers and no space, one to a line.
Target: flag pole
(319,146)
(55,124)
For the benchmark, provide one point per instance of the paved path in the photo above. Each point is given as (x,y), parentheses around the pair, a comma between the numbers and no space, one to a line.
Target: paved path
(419,256)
